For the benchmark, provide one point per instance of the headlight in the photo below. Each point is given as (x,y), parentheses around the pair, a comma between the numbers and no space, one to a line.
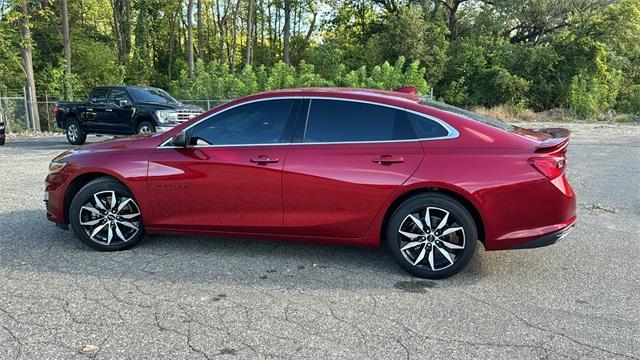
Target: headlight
(56,166)
(167,116)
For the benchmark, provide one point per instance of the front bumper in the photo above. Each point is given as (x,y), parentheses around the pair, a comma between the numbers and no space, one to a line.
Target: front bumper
(54,193)
(548,239)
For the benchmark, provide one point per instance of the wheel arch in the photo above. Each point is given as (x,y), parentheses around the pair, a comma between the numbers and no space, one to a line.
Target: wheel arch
(437,189)
(68,116)
(141,118)
(79,182)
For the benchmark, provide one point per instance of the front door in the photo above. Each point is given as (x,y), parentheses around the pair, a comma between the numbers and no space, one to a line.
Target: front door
(230,178)
(350,159)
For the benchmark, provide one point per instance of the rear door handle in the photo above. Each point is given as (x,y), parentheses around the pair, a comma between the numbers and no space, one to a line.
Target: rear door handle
(263,159)
(108,109)
(388,160)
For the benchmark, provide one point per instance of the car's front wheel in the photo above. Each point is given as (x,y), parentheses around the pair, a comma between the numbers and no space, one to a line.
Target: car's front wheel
(105,216)
(432,236)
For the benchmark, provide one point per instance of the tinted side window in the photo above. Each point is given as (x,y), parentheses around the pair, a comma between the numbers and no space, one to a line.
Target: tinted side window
(345,121)
(427,128)
(117,95)
(99,96)
(261,122)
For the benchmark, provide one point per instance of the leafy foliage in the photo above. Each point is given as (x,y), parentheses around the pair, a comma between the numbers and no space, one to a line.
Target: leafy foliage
(543,54)
(215,80)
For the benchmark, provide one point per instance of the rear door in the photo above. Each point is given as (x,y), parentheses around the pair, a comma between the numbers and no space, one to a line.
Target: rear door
(117,114)
(346,160)
(94,115)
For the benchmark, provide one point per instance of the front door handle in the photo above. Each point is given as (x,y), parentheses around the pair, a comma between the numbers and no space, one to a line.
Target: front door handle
(388,160)
(263,159)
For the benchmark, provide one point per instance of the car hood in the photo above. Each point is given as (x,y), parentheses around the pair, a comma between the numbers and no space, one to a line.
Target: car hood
(132,142)
(170,106)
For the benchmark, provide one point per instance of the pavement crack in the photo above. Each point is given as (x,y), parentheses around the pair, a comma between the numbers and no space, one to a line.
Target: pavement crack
(537,327)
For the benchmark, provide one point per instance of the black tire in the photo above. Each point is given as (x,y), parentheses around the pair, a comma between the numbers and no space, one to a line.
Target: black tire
(419,249)
(75,133)
(146,127)
(86,196)
(2,139)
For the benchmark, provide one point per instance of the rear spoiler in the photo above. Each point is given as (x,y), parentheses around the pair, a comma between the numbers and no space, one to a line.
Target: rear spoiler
(558,141)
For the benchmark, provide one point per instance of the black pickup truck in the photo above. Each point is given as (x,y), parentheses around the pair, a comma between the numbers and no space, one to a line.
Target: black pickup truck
(2,135)
(121,110)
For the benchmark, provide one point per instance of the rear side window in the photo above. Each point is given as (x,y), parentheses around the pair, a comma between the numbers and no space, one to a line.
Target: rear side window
(99,95)
(349,121)
(427,128)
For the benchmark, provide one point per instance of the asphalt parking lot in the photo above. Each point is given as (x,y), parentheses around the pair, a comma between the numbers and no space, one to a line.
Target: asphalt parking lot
(182,297)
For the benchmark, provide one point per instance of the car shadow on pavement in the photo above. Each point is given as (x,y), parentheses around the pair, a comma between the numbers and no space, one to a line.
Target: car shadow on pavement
(31,243)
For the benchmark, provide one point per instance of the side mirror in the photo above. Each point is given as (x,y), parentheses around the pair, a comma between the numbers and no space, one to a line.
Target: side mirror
(180,140)
(124,103)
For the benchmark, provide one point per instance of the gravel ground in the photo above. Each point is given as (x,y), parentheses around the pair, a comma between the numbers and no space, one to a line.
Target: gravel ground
(180,297)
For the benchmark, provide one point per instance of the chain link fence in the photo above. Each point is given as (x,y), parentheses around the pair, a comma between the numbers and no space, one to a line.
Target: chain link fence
(16,110)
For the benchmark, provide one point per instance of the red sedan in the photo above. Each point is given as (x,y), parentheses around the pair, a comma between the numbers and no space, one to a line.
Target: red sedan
(345,166)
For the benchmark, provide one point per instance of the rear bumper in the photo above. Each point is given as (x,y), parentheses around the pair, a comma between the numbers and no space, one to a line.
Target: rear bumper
(548,239)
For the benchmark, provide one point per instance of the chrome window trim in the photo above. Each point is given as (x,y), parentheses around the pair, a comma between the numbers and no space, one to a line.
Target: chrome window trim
(452,132)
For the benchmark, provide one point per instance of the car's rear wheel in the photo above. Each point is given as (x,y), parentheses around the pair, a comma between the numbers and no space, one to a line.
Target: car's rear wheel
(432,236)
(75,134)
(146,127)
(105,216)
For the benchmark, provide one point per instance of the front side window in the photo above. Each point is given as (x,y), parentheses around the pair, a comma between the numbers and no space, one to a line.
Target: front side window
(152,95)
(99,96)
(261,122)
(350,121)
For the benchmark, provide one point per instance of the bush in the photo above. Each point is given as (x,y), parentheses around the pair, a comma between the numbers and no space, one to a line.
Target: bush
(216,81)
(590,95)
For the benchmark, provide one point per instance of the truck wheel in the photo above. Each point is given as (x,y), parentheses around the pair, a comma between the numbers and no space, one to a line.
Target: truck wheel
(2,139)
(146,127)
(75,134)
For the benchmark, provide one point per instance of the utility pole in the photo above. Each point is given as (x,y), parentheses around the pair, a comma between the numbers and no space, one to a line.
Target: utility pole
(27,64)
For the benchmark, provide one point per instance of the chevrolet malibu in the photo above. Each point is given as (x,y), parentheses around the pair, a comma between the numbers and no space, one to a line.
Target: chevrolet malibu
(344,166)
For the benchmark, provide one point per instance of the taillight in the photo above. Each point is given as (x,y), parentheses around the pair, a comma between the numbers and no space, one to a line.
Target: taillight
(551,166)
(56,111)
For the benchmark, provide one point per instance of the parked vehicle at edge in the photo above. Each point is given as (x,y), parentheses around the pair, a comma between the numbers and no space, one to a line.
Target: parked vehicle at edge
(3,136)
(122,110)
(344,166)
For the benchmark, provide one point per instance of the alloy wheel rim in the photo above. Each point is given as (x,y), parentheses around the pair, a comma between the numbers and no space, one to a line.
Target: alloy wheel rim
(109,218)
(145,130)
(72,132)
(431,238)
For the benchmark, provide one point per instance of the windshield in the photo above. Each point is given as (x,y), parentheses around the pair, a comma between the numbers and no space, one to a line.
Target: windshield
(470,114)
(152,95)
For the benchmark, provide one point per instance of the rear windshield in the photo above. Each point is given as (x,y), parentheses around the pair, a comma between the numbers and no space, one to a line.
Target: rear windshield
(470,114)
(152,95)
